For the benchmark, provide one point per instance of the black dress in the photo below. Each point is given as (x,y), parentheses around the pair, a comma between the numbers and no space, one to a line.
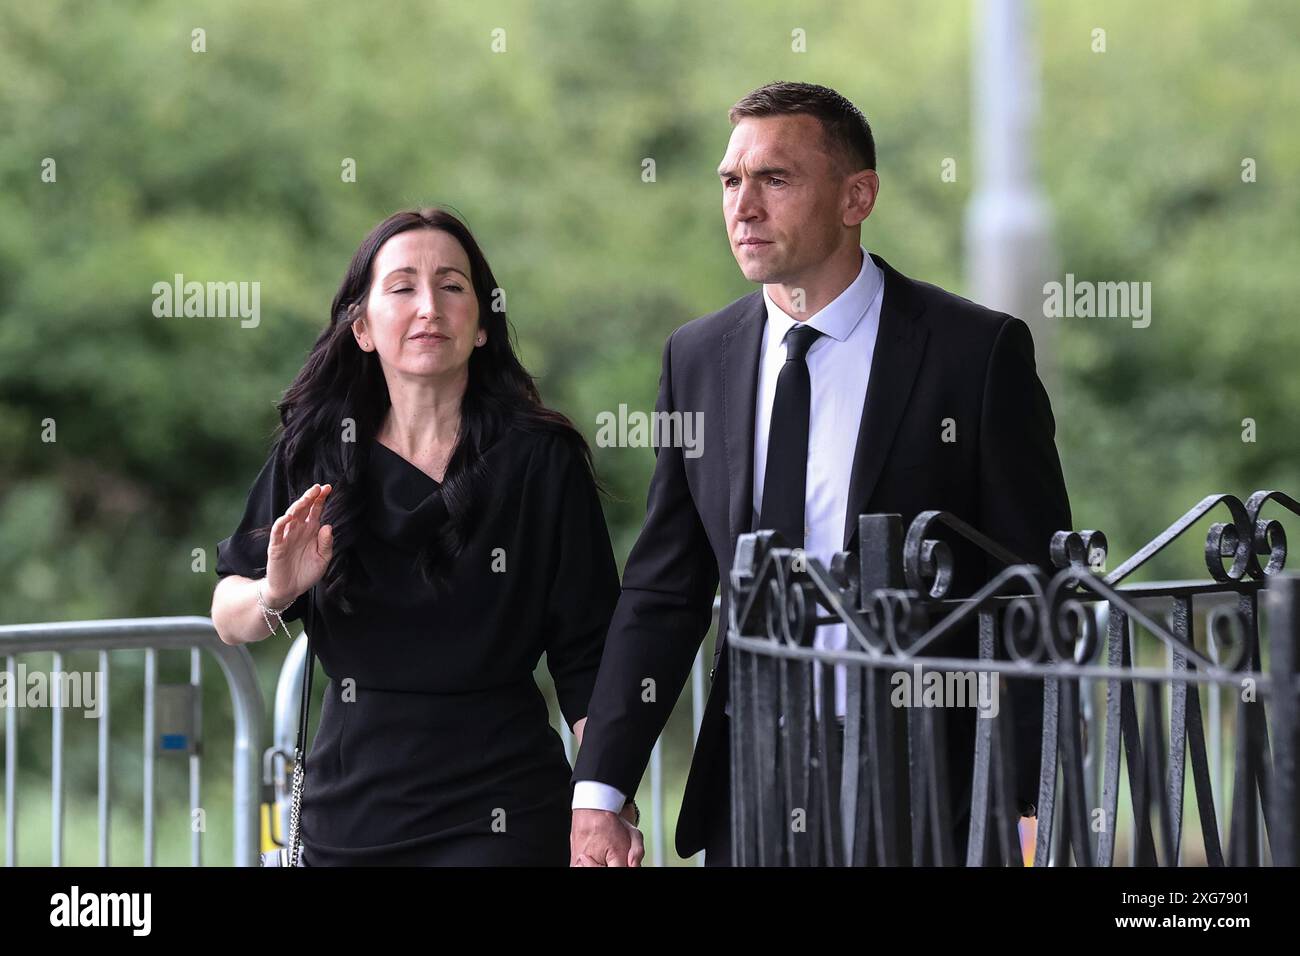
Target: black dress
(434,745)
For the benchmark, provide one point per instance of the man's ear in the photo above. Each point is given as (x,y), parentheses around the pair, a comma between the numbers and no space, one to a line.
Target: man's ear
(860,196)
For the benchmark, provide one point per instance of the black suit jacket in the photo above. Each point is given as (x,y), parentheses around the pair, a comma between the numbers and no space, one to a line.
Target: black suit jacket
(937,357)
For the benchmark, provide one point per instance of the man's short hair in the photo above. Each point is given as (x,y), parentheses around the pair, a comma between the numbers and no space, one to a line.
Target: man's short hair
(847,131)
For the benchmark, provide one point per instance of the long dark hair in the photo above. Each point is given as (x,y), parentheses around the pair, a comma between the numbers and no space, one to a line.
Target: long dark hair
(339,381)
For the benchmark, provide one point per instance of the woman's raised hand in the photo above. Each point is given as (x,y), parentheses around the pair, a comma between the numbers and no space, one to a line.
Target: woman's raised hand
(300,548)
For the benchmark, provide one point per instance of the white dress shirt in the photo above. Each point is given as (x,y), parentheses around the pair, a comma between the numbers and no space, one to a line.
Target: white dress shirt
(839,366)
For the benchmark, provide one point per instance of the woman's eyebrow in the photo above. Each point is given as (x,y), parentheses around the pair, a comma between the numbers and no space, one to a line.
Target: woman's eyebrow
(411,270)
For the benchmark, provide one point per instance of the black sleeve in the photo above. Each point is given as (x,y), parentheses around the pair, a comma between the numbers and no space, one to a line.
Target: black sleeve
(244,552)
(662,617)
(584,588)
(1023,502)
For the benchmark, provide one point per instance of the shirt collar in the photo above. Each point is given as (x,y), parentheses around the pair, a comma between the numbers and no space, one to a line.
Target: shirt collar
(841,315)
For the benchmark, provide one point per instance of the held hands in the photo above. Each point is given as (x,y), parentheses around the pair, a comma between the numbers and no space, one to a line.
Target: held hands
(602,838)
(300,548)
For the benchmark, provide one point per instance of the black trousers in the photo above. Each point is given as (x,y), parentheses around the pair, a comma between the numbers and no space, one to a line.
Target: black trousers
(717,839)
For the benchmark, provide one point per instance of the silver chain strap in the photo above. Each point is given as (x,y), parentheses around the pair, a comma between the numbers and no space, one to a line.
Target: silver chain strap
(293,853)
(295,807)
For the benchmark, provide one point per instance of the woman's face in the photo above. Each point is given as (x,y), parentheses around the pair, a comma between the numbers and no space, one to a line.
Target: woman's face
(421,315)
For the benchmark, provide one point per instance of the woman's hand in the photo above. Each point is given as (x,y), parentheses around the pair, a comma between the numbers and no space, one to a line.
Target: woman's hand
(299,550)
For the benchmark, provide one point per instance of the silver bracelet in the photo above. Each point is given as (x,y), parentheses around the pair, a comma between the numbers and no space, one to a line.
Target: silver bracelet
(267,611)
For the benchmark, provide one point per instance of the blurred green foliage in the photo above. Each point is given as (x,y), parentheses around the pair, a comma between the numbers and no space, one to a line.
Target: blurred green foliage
(226,165)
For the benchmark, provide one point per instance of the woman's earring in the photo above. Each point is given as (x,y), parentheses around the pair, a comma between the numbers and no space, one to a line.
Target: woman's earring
(481,338)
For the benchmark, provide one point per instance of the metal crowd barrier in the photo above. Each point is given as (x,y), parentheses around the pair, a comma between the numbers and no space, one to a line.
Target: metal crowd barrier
(181,703)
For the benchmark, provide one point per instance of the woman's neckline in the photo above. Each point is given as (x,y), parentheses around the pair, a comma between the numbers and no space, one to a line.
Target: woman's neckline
(409,464)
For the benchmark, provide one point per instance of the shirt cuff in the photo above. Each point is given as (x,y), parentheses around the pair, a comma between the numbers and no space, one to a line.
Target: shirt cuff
(590,795)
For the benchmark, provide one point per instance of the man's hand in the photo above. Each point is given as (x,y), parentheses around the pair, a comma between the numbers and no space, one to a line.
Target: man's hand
(601,838)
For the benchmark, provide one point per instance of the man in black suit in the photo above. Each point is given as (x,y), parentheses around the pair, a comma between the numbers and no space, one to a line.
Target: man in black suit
(843,387)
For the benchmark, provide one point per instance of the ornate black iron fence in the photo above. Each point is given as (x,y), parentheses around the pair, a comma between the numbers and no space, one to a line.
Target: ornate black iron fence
(885,781)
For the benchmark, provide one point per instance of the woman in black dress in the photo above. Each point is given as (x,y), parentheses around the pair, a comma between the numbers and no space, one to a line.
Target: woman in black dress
(438,529)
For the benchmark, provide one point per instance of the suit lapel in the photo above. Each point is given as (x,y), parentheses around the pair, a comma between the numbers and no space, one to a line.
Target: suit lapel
(740,355)
(900,343)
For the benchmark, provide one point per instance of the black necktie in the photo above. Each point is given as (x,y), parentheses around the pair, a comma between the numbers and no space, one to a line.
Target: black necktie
(785,477)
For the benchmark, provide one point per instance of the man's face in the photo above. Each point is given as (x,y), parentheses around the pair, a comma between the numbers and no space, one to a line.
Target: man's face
(781,197)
